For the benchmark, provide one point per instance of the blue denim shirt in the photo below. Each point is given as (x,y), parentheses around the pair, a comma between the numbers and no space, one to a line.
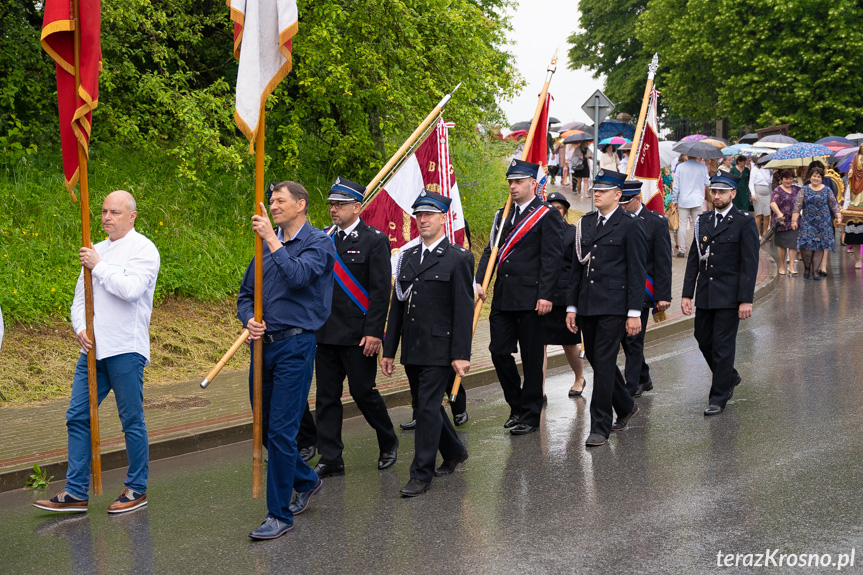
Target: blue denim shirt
(298,283)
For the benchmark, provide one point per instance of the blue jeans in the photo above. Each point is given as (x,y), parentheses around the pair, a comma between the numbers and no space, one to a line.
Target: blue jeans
(286,379)
(124,374)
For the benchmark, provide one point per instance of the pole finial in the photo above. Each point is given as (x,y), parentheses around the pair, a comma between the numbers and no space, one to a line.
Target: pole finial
(653,66)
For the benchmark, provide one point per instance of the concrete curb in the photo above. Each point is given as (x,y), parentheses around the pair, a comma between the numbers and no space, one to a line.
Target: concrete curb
(200,439)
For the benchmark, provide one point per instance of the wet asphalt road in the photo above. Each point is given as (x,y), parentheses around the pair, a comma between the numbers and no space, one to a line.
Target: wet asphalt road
(779,469)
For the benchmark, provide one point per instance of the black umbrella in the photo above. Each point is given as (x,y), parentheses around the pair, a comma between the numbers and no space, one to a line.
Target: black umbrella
(580,137)
(748,139)
(520,126)
(697,150)
(553,120)
(575,126)
(764,159)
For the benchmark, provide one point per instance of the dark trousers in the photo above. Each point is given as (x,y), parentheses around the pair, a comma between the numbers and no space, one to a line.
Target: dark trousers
(602,337)
(332,364)
(716,334)
(524,328)
(286,379)
(434,432)
(458,406)
(636,370)
(307,436)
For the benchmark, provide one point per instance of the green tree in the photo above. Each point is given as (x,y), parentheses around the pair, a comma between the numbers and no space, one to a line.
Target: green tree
(607,45)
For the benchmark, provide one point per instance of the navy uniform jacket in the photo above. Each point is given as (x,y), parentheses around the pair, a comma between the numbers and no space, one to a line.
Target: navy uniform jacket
(612,280)
(532,270)
(727,278)
(366,254)
(435,321)
(658,263)
(559,297)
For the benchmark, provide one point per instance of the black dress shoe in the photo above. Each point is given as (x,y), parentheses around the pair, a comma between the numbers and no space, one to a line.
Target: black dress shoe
(271,528)
(412,424)
(415,487)
(738,381)
(511,422)
(302,498)
(307,452)
(329,469)
(460,419)
(713,410)
(388,458)
(523,429)
(573,393)
(595,440)
(623,422)
(643,387)
(449,465)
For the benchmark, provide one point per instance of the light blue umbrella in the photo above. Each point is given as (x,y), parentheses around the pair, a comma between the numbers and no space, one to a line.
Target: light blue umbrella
(732,150)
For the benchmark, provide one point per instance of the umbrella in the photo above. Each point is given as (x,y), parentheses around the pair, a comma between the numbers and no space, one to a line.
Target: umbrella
(517,135)
(577,137)
(615,141)
(775,142)
(610,128)
(693,138)
(845,166)
(626,146)
(567,133)
(749,139)
(574,126)
(856,138)
(714,141)
(667,154)
(553,120)
(764,159)
(697,150)
(769,233)
(754,151)
(520,126)
(840,155)
(799,154)
(733,150)
(836,143)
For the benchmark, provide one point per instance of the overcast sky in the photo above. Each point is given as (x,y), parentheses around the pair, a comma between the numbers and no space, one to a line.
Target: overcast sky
(540,26)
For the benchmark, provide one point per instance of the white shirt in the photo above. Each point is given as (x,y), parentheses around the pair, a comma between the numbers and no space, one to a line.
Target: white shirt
(519,209)
(350,228)
(723,214)
(758,177)
(424,247)
(690,179)
(123,286)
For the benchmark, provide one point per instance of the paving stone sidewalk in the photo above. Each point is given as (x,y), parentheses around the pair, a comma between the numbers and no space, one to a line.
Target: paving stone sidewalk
(37,433)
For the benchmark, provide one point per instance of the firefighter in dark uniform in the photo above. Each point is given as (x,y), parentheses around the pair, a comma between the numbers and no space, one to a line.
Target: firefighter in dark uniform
(657,294)
(432,314)
(531,248)
(607,295)
(721,272)
(349,341)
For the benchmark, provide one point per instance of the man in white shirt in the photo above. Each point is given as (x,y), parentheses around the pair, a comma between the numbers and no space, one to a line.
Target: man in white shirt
(688,192)
(124,269)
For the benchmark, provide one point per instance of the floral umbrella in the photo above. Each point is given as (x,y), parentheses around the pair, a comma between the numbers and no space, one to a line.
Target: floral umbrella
(693,138)
(799,154)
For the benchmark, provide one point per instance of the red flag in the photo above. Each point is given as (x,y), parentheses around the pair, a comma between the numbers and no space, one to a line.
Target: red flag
(538,153)
(75,110)
(429,167)
(263,32)
(647,167)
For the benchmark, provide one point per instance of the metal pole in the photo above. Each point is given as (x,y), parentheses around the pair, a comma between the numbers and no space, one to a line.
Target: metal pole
(595,142)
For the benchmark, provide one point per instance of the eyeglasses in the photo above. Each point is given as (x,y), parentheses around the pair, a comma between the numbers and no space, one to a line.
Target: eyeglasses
(719,192)
(340,204)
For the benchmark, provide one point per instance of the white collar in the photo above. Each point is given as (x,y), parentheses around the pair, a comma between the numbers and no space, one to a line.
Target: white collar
(723,214)
(350,228)
(608,216)
(434,245)
(638,213)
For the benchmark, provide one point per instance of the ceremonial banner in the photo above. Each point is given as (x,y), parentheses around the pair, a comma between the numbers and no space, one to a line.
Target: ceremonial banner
(75,110)
(263,29)
(647,167)
(538,153)
(429,167)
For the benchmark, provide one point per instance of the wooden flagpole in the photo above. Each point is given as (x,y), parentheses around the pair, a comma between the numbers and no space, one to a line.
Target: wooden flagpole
(642,116)
(492,260)
(84,189)
(393,161)
(258,349)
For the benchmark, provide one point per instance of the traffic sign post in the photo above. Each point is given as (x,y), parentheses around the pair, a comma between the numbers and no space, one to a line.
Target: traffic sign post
(598,106)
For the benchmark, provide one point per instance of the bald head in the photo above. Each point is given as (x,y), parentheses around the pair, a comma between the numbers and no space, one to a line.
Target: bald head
(118,214)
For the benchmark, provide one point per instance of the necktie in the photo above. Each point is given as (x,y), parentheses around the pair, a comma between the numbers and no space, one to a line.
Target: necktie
(515,216)
(718,219)
(601,223)
(425,255)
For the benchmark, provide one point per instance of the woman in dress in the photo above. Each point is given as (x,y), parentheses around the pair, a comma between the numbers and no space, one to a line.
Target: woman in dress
(579,168)
(782,201)
(555,321)
(816,201)
(759,188)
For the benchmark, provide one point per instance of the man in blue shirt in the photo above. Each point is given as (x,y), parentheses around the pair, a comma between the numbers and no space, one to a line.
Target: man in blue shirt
(297,291)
